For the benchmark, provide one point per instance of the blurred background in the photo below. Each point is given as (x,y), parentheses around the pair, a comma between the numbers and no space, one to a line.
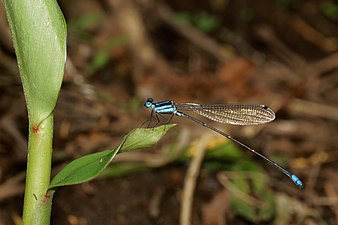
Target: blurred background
(281,53)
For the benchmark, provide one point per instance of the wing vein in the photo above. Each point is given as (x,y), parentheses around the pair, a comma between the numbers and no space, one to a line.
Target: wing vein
(239,114)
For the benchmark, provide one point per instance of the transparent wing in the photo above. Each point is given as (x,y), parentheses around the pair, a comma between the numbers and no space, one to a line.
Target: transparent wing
(238,114)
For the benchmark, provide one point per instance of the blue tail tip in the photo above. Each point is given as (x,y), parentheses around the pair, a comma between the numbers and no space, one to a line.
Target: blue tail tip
(297,181)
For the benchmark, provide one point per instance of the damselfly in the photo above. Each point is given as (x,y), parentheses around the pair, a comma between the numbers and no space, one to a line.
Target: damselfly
(238,114)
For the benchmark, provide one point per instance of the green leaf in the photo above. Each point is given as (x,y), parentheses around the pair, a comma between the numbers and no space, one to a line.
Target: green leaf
(85,21)
(206,22)
(257,186)
(40,44)
(101,58)
(144,138)
(88,167)
(330,10)
(83,169)
(244,209)
(287,4)
(227,152)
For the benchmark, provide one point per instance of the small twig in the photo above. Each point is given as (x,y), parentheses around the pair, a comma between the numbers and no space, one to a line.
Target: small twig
(12,187)
(293,59)
(223,179)
(309,108)
(267,34)
(154,204)
(190,181)
(193,35)
(325,201)
(131,22)
(313,109)
(332,193)
(312,179)
(326,64)
(8,124)
(312,35)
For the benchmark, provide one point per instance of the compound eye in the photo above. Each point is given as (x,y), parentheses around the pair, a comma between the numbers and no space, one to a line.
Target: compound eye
(150,100)
(148,103)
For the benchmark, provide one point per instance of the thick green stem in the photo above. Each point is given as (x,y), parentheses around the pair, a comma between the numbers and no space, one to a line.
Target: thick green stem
(39,37)
(37,202)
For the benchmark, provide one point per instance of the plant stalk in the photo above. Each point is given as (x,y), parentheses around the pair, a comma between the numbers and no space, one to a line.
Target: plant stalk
(37,201)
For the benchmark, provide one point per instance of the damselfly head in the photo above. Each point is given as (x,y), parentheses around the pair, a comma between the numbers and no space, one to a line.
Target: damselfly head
(148,103)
